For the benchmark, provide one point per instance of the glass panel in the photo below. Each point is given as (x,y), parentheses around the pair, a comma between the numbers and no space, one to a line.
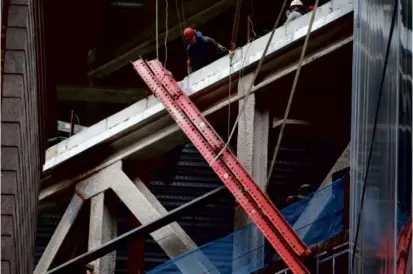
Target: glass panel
(387,200)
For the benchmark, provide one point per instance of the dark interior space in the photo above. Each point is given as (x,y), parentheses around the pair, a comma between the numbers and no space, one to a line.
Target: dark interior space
(81,41)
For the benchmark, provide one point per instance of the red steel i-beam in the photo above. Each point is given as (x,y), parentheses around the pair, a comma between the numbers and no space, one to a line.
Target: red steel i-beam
(270,221)
(265,204)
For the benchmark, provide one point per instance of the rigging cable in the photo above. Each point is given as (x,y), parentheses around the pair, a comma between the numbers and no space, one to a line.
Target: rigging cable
(157,28)
(166,32)
(292,92)
(277,22)
(383,76)
(250,28)
(235,26)
(232,48)
(183,11)
(182,29)
(180,21)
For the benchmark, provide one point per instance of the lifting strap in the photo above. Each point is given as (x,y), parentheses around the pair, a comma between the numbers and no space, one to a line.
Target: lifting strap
(234,36)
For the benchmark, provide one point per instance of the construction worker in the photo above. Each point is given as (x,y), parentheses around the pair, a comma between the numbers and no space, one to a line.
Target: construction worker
(202,50)
(303,192)
(296,10)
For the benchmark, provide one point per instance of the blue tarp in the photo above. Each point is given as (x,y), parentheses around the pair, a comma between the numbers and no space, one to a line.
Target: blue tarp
(235,254)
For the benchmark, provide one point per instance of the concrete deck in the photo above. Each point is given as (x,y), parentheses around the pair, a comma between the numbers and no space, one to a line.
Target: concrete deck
(148,110)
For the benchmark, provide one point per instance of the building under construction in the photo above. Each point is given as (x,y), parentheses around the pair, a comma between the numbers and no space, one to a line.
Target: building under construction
(290,151)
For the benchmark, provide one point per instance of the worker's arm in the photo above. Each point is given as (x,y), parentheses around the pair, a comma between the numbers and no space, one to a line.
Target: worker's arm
(292,16)
(219,47)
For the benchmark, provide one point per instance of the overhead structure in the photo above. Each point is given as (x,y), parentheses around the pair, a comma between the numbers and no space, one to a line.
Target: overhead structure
(258,206)
(145,129)
(148,110)
(158,223)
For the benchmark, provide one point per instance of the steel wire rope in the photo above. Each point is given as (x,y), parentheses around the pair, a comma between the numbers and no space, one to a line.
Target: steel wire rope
(232,48)
(383,76)
(157,28)
(183,11)
(166,32)
(250,25)
(235,25)
(277,22)
(182,29)
(180,24)
(292,92)
(244,58)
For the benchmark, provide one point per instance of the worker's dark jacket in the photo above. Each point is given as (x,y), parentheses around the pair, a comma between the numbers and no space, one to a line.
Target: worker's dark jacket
(204,51)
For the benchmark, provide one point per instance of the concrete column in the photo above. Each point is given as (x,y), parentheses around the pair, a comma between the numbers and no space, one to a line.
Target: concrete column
(102,228)
(252,151)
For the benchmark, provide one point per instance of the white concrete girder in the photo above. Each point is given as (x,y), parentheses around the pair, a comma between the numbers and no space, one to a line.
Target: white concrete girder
(155,136)
(212,74)
(278,122)
(204,264)
(144,206)
(171,238)
(99,182)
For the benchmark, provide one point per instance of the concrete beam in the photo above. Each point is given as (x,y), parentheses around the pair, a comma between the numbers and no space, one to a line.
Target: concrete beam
(147,111)
(206,265)
(150,45)
(99,182)
(158,207)
(152,134)
(150,116)
(88,186)
(252,151)
(278,122)
(174,243)
(99,94)
(59,235)
(102,228)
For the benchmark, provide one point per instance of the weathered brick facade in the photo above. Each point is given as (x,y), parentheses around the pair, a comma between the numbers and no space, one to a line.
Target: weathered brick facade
(22,135)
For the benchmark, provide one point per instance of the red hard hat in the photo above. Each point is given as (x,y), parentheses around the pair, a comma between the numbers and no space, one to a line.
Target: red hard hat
(189,33)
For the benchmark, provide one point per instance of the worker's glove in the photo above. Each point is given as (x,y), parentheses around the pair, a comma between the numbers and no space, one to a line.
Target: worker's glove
(188,67)
(222,48)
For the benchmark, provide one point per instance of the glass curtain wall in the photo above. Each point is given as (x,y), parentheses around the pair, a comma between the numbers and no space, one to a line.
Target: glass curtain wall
(386,157)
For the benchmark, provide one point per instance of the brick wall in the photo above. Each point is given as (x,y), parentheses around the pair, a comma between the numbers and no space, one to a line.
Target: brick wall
(22,136)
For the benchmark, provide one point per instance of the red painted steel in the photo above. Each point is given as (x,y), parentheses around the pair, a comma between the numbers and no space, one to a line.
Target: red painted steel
(403,248)
(229,159)
(260,209)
